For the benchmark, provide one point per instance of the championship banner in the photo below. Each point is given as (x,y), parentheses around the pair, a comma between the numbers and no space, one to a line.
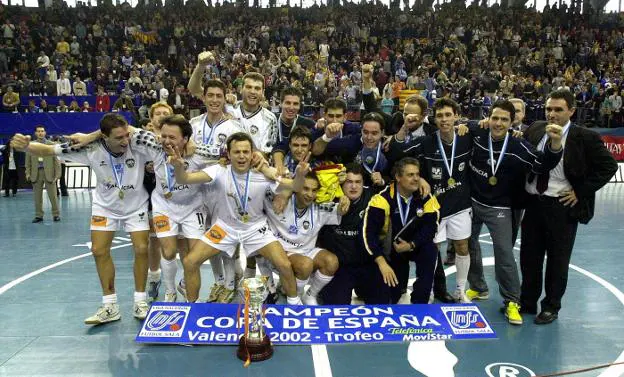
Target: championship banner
(615,145)
(184,323)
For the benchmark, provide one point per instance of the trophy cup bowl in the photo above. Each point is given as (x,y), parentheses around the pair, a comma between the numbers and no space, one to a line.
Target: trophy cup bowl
(255,344)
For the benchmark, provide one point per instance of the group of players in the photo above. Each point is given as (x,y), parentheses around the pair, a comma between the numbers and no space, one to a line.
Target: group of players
(340,206)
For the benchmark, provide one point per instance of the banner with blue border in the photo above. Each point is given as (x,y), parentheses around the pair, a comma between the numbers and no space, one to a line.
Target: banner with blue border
(183,323)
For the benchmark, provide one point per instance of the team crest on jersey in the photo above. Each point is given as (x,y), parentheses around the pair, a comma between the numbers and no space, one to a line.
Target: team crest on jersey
(461,166)
(130,162)
(221,139)
(306,225)
(361,214)
(369,160)
(436,173)
(253,130)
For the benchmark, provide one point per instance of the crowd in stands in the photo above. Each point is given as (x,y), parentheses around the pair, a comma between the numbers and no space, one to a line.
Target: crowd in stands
(122,58)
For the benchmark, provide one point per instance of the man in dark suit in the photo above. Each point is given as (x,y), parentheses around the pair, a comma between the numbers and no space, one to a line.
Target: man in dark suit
(556,203)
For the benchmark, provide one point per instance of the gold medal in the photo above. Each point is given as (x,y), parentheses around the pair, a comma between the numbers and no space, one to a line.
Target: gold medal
(451,182)
(493,181)
(168,195)
(121,194)
(245,218)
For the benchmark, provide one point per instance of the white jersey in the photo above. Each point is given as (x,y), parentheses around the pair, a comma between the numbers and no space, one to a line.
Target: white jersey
(119,189)
(225,196)
(297,230)
(213,134)
(261,125)
(180,200)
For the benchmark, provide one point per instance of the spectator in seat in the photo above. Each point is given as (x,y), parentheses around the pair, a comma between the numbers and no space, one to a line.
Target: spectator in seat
(86,108)
(63,86)
(80,88)
(102,101)
(10,101)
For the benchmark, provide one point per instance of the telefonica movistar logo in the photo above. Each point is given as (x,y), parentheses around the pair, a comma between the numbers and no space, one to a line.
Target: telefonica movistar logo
(466,320)
(165,321)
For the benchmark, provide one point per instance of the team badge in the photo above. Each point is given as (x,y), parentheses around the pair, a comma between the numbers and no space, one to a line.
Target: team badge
(306,225)
(253,130)
(130,162)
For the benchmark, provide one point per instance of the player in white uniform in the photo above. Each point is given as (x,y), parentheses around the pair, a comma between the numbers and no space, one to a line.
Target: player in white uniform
(178,208)
(119,202)
(213,128)
(238,218)
(157,112)
(297,228)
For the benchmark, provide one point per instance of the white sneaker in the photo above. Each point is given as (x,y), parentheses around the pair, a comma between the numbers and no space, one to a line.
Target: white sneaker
(461,297)
(182,288)
(105,313)
(140,309)
(171,297)
(309,300)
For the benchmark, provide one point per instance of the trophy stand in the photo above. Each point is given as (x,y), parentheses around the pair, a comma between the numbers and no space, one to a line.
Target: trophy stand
(255,344)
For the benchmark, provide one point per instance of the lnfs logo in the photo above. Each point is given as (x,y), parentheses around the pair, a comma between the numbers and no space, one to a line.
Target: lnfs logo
(466,320)
(165,321)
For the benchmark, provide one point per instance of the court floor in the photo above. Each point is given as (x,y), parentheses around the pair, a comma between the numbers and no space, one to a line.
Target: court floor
(48,285)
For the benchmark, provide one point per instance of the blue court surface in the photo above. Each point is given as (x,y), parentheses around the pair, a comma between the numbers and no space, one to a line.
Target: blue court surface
(48,285)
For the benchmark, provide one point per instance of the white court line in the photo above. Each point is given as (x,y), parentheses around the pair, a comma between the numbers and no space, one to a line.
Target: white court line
(322,368)
(614,370)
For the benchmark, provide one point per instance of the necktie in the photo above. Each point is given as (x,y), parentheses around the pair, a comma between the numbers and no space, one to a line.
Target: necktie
(542,183)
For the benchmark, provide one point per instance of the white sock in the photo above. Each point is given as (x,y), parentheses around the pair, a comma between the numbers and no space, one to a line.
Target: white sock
(249,272)
(216,263)
(140,296)
(153,275)
(300,285)
(462,262)
(169,269)
(317,283)
(293,300)
(229,269)
(109,299)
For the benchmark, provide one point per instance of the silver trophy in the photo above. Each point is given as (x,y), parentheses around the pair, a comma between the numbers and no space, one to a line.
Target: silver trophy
(255,344)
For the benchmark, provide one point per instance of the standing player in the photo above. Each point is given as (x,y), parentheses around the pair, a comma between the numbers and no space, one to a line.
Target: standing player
(119,202)
(237,213)
(297,229)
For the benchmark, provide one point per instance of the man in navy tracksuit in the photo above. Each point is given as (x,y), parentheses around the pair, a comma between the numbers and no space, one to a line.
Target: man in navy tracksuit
(500,163)
(399,222)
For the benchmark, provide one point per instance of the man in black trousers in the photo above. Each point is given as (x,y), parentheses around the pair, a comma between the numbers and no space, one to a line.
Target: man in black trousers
(556,203)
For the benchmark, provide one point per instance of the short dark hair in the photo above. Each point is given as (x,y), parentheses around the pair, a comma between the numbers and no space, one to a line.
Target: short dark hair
(215,84)
(418,100)
(507,105)
(110,121)
(312,175)
(254,76)
(180,121)
(300,132)
(355,168)
(443,102)
(291,91)
(336,103)
(399,167)
(374,117)
(239,136)
(563,94)
(39,126)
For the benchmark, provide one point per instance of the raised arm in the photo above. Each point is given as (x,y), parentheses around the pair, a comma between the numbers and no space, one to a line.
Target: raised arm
(195,82)
(22,143)
(181,175)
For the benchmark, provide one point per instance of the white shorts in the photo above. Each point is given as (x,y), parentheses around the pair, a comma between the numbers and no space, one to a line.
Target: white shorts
(191,227)
(306,253)
(223,238)
(455,227)
(135,222)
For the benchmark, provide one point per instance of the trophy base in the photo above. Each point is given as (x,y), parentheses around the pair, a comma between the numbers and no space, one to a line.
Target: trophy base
(258,350)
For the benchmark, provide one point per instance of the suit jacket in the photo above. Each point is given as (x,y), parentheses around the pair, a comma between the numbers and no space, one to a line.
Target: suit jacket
(587,165)
(51,168)
(18,156)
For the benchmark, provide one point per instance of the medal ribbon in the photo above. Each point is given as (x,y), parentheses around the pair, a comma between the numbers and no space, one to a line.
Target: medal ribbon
(242,200)
(403,215)
(449,166)
(118,171)
(208,141)
(494,164)
(376,159)
(294,202)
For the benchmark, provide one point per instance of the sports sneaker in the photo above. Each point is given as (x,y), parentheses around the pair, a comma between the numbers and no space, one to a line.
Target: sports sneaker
(215,291)
(105,313)
(171,297)
(226,295)
(512,312)
(461,297)
(182,288)
(152,290)
(309,300)
(140,309)
(476,295)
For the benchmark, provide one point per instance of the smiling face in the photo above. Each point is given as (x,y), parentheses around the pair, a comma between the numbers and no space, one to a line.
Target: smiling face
(371,133)
(252,93)
(214,99)
(240,155)
(172,135)
(299,147)
(290,108)
(500,121)
(445,119)
(558,112)
(307,195)
(408,179)
(118,140)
